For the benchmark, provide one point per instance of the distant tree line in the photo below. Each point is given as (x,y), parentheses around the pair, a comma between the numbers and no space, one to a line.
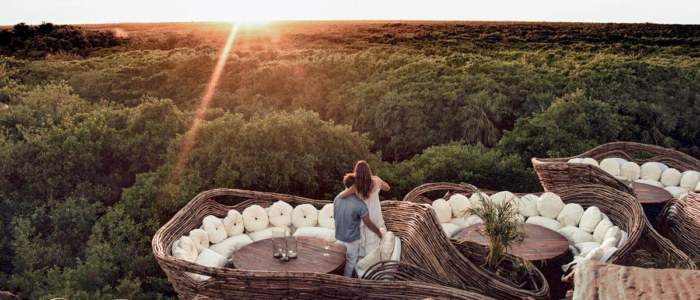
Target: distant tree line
(37,41)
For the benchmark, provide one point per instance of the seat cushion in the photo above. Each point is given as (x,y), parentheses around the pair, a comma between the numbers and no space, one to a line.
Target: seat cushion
(590,219)
(214,228)
(189,246)
(233,222)
(386,245)
(304,215)
(570,215)
(442,210)
(266,233)
(466,221)
(280,214)
(460,205)
(552,224)
(527,206)
(549,205)
(450,229)
(323,233)
(601,229)
(209,258)
(650,182)
(586,247)
(325,217)
(255,218)
(230,245)
(676,191)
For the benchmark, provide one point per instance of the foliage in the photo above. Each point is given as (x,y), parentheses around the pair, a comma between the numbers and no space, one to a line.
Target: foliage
(38,41)
(667,261)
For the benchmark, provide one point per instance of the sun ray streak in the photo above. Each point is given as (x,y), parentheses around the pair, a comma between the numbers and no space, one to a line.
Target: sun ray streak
(191,135)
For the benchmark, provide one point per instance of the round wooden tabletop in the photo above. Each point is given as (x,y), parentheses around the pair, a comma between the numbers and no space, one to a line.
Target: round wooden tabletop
(257,256)
(540,243)
(649,194)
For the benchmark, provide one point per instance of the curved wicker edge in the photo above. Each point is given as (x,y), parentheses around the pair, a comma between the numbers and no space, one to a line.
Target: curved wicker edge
(679,221)
(228,283)
(622,209)
(555,173)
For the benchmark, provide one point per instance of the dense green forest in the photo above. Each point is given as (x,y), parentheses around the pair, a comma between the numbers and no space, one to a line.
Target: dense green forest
(93,119)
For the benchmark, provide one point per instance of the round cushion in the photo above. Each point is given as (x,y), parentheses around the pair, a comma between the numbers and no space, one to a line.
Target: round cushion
(689,180)
(613,232)
(475,199)
(632,168)
(590,161)
(189,247)
(671,177)
(460,205)
(233,222)
(586,247)
(676,191)
(651,171)
(305,215)
(608,244)
(595,254)
(575,160)
(549,205)
(200,239)
(504,196)
(442,210)
(214,228)
(601,229)
(571,214)
(611,166)
(280,214)
(527,206)
(590,219)
(551,224)
(325,217)
(466,221)
(255,218)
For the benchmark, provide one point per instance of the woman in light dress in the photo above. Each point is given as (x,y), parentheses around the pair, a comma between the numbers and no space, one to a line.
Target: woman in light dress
(367,188)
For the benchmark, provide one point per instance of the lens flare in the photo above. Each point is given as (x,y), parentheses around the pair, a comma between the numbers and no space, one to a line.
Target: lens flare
(191,135)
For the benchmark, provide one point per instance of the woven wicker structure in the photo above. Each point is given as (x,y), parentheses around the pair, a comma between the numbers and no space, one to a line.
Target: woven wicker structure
(420,274)
(680,222)
(556,171)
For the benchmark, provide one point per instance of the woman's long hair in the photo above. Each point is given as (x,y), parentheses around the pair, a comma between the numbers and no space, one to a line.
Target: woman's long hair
(363,179)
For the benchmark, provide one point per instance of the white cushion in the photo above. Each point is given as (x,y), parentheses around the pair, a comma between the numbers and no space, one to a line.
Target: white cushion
(697,187)
(620,161)
(586,247)
(549,205)
(575,160)
(280,214)
(325,216)
(450,229)
(595,254)
(255,218)
(475,199)
(663,166)
(611,166)
(323,233)
(632,168)
(266,233)
(230,245)
(528,206)
(209,258)
(366,262)
(650,182)
(466,221)
(601,229)
(189,246)
(675,191)
(608,244)
(574,250)
(590,219)
(233,222)
(570,215)
(544,222)
(689,180)
(671,177)
(613,232)
(386,245)
(623,238)
(590,161)
(200,239)
(608,254)
(460,205)
(576,235)
(504,196)
(184,255)
(568,232)
(651,171)
(442,210)
(305,215)
(214,228)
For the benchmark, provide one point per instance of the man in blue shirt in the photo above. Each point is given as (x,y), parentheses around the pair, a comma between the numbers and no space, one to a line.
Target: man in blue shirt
(347,213)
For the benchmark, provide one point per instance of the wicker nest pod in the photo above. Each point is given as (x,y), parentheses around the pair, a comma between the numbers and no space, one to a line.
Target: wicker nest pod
(680,222)
(409,278)
(556,171)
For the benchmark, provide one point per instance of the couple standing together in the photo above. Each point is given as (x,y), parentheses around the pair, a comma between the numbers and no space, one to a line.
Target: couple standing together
(358,214)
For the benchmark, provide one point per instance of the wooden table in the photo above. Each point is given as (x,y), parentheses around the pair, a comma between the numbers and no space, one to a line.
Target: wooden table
(257,256)
(652,198)
(540,243)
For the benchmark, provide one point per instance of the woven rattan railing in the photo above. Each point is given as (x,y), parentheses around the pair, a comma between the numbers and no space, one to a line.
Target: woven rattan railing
(680,222)
(411,278)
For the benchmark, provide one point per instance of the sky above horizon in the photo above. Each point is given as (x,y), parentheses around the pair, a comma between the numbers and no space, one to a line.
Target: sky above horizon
(113,11)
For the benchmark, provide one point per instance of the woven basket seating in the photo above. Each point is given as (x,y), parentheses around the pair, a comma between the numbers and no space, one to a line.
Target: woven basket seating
(680,222)
(409,278)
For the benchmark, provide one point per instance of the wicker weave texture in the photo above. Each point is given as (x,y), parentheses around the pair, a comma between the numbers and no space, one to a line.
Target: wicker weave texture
(408,279)
(680,222)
